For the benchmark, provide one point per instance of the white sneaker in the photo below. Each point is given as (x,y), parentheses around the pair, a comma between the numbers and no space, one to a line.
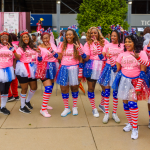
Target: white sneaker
(66,112)
(95,113)
(75,111)
(106,118)
(134,134)
(128,127)
(115,117)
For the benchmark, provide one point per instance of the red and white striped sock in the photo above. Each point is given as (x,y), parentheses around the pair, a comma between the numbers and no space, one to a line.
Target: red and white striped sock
(115,104)
(75,102)
(134,116)
(128,115)
(102,100)
(92,101)
(46,97)
(65,99)
(106,104)
(66,103)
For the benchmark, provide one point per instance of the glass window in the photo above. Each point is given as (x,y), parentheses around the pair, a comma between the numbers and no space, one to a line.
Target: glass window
(139,7)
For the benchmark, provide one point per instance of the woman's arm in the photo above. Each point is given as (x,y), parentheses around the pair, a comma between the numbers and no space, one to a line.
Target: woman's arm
(11,48)
(118,67)
(141,78)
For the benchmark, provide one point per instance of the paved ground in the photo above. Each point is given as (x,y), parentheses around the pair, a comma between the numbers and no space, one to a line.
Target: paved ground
(20,131)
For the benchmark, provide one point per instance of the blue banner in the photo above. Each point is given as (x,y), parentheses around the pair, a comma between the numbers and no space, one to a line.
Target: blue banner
(47,19)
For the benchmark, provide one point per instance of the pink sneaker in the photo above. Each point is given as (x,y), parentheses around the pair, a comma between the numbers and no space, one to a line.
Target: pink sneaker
(45,113)
(49,107)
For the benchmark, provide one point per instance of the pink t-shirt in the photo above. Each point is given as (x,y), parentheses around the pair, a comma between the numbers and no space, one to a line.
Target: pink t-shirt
(130,67)
(106,41)
(114,50)
(47,55)
(92,50)
(28,56)
(6,57)
(68,57)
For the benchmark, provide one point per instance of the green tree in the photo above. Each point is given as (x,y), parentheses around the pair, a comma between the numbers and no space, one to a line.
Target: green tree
(102,13)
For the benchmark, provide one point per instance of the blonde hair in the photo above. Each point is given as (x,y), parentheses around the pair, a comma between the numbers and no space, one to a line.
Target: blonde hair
(100,37)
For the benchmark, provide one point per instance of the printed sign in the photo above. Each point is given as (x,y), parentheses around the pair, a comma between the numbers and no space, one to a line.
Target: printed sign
(11,22)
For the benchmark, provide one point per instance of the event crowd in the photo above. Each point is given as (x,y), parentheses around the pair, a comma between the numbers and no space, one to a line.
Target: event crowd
(120,62)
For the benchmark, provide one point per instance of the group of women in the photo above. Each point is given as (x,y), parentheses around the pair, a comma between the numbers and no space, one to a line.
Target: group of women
(122,67)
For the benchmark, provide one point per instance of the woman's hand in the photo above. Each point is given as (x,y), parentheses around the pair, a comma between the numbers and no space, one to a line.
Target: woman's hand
(37,50)
(94,39)
(135,55)
(48,45)
(8,45)
(76,45)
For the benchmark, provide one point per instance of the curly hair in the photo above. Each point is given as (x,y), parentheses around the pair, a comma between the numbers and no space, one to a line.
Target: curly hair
(100,37)
(138,45)
(118,35)
(75,39)
(23,45)
(146,30)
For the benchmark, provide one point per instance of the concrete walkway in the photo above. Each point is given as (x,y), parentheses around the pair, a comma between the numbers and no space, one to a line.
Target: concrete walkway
(20,131)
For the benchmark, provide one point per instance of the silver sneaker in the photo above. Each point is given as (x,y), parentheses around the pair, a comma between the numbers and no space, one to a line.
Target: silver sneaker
(134,134)
(149,124)
(95,113)
(128,127)
(106,118)
(102,108)
(115,117)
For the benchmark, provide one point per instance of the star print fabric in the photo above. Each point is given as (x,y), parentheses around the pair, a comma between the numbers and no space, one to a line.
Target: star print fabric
(107,77)
(92,69)
(68,75)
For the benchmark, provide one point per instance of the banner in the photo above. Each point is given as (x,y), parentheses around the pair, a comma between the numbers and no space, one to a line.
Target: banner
(11,22)
(46,19)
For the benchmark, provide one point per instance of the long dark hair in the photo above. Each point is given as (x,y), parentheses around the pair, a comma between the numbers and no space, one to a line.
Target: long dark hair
(118,35)
(14,37)
(23,45)
(138,45)
(9,39)
(75,39)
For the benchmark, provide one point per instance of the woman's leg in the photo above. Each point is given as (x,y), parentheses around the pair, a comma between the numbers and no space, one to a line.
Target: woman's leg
(24,89)
(4,98)
(10,96)
(106,104)
(115,105)
(91,96)
(128,127)
(75,94)
(14,88)
(65,96)
(33,88)
(101,105)
(149,111)
(134,110)
(46,96)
